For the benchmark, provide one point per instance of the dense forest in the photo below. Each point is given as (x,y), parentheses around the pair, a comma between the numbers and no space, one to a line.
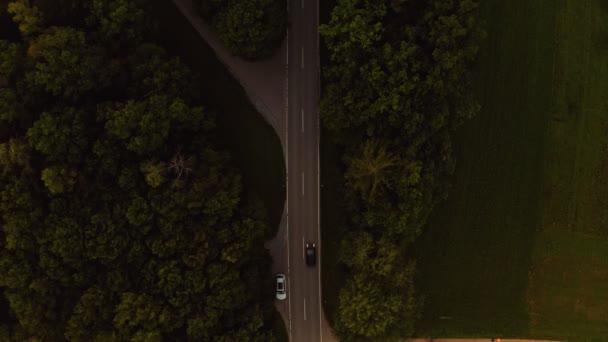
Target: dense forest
(251,29)
(396,86)
(121,216)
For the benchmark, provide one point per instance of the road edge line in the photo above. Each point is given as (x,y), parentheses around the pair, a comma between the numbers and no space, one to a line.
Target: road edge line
(319,175)
(287,167)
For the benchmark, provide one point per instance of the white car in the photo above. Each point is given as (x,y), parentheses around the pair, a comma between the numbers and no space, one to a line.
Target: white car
(281,280)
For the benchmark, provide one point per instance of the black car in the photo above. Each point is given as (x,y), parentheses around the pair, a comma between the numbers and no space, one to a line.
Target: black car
(311,254)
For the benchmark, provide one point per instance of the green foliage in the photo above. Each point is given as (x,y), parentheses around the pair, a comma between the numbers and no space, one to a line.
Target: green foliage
(10,62)
(15,154)
(361,253)
(58,179)
(250,29)
(370,306)
(117,19)
(106,159)
(64,64)
(5,333)
(10,58)
(21,212)
(135,230)
(198,327)
(8,105)
(209,8)
(354,30)
(145,125)
(380,295)
(63,12)
(365,310)
(139,315)
(154,172)
(59,136)
(155,73)
(367,173)
(27,16)
(139,212)
(85,323)
(396,88)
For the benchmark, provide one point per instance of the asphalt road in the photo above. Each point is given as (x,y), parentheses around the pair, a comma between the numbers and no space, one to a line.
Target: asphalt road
(302,131)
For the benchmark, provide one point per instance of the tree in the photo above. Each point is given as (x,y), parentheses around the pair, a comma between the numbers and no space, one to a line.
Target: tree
(58,179)
(154,73)
(198,327)
(372,307)
(8,105)
(354,30)
(154,172)
(106,157)
(63,12)
(145,125)
(250,330)
(209,8)
(139,212)
(367,173)
(138,314)
(28,17)
(91,318)
(20,212)
(365,310)
(252,29)
(65,65)
(397,86)
(100,248)
(363,253)
(181,165)
(118,20)
(15,155)
(10,58)
(59,136)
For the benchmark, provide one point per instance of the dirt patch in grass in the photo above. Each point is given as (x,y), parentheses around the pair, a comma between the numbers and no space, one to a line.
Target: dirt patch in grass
(575,291)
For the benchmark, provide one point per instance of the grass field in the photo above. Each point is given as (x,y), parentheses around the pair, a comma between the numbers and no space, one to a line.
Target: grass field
(333,216)
(520,248)
(333,224)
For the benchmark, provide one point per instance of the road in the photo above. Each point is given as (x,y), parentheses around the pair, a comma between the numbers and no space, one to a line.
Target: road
(298,129)
(302,153)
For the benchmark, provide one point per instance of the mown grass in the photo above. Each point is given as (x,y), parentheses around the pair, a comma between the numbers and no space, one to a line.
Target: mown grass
(568,290)
(333,224)
(254,145)
(278,328)
(520,248)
